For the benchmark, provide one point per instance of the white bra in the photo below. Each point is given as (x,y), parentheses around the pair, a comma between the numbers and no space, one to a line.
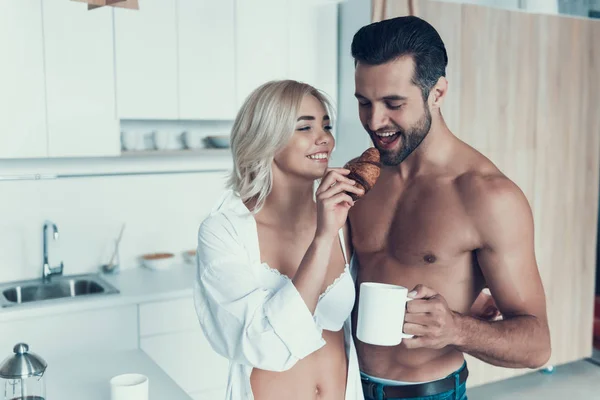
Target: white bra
(336,302)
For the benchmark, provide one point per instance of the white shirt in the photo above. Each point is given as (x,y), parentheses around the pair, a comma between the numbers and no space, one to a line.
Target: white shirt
(252,314)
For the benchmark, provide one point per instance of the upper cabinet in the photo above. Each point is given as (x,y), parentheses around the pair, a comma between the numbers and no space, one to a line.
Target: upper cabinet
(313,44)
(146,61)
(291,39)
(206,59)
(69,75)
(262,44)
(80,88)
(22,100)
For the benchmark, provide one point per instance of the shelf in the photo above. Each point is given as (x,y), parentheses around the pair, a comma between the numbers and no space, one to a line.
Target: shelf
(130,163)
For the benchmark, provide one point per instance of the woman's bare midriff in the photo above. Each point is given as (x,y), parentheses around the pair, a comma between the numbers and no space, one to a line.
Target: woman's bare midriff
(321,375)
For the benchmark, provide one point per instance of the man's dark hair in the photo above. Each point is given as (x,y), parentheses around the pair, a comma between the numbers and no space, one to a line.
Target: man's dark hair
(390,39)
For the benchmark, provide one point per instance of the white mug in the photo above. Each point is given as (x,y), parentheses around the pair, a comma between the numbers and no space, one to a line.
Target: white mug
(381,309)
(129,387)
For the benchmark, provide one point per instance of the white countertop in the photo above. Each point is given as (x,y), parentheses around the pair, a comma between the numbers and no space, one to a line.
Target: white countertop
(135,285)
(78,377)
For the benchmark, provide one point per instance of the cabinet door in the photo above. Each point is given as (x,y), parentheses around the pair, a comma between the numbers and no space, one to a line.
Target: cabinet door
(313,44)
(146,61)
(262,37)
(80,80)
(206,59)
(22,97)
(188,359)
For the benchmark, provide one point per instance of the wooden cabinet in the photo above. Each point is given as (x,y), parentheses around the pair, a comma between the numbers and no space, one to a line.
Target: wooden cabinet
(80,90)
(206,59)
(171,335)
(146,61)
(22,100)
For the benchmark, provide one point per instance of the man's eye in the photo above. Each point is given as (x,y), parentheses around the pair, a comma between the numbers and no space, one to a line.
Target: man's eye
(364,104)
(394,106)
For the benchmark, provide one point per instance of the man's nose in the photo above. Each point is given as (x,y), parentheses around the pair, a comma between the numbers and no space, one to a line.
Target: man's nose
(378,119)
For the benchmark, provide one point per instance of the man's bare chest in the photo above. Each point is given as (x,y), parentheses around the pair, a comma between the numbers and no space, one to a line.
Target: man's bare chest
(421,227)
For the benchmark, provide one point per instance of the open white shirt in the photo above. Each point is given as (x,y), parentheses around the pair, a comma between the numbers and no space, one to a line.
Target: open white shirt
(253,315)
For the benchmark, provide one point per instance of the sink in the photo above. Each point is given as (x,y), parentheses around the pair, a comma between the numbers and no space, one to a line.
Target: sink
(59,287)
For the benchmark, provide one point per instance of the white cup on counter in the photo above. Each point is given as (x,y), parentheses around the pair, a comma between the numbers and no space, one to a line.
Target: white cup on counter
(130,141)
(129,387)
(192,140)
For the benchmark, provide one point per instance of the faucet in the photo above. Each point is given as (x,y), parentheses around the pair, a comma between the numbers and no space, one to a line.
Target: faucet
(47,270)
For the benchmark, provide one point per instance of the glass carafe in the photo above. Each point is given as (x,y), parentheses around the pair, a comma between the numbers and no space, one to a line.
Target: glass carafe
(23,375)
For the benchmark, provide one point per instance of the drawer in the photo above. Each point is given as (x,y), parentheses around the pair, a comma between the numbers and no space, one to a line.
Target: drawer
(168,316)
(189,360)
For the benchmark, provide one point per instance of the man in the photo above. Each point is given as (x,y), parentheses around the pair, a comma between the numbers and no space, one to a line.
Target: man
(441,219)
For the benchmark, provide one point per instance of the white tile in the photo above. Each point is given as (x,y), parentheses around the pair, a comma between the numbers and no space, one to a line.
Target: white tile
(161,212)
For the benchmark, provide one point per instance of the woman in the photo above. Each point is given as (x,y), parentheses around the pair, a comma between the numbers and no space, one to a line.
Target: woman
(274,292)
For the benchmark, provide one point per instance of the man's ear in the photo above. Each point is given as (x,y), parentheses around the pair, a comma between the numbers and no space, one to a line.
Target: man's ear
(438,93)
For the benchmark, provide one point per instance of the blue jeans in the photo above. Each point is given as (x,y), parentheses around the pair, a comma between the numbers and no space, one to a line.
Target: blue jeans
(458,393)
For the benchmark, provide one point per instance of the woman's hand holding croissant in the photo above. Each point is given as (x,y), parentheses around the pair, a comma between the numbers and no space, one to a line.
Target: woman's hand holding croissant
(333,201)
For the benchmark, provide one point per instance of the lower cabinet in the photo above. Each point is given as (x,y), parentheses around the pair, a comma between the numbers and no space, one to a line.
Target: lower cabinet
(171,335)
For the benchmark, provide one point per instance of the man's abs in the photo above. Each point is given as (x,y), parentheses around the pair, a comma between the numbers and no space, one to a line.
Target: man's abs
(457,279)
(401,364)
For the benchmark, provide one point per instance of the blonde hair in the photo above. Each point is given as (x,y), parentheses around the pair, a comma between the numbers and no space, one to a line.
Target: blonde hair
(263,126)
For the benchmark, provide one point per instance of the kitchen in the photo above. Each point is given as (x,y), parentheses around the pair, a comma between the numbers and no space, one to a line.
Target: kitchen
(115,117)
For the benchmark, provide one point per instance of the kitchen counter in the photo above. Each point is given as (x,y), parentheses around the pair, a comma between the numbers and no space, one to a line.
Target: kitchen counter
(135,285)
(87,376)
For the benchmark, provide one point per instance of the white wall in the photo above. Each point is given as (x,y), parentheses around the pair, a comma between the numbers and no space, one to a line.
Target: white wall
(351,138)
(162,213)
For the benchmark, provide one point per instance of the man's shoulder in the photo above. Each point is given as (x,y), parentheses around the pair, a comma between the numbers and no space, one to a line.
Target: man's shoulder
(486,191)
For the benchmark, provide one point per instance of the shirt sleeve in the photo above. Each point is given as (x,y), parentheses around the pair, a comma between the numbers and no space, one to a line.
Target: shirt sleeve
(243,321)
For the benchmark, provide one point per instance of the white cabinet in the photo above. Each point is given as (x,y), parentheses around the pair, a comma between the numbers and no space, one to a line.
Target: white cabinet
(80,90)
(189,360)
(286,40)
(313,44)
(206,59)
(101,330)
(262,44)
(22,101)
(146,60)
(171,335)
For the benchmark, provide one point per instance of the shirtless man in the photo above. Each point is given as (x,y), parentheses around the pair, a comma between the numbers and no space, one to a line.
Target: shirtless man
(442,219)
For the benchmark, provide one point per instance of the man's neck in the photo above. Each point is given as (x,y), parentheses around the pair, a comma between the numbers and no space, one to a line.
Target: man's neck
(432,153)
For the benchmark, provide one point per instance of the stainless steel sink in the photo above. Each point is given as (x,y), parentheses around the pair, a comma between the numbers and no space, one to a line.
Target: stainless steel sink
(59,287)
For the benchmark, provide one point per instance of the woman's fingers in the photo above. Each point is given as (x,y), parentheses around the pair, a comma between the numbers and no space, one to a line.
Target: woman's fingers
(332,178)
(339,198)
(339,188)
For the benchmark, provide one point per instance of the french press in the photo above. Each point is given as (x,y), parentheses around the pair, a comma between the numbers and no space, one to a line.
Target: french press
(23,374)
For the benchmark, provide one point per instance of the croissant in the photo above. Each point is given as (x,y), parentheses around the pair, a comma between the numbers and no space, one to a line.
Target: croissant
(364,170)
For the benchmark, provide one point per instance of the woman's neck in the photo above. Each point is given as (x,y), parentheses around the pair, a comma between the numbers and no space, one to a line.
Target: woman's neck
(290,204)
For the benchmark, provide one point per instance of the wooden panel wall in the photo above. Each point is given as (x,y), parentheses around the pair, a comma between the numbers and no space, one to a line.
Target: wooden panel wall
(524,89)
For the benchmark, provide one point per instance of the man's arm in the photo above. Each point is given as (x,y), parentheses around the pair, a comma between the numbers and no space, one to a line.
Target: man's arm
(507,259)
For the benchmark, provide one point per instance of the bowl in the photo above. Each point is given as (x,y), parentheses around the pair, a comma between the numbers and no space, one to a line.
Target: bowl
(158,261)
(219,141)
(189,256)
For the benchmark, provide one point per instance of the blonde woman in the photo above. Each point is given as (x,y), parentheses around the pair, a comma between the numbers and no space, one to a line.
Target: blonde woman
(273,291)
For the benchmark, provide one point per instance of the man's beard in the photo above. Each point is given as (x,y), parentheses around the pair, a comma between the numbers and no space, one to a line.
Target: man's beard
(411,139)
